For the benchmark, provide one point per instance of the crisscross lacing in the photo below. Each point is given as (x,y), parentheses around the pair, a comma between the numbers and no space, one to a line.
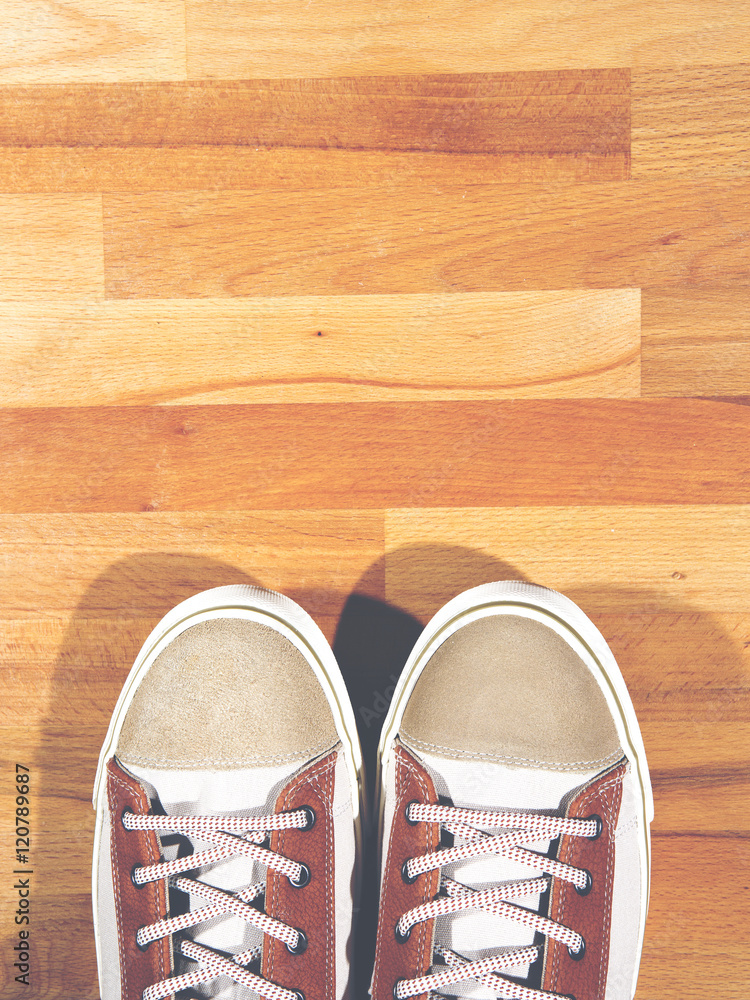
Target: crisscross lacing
(471,827)
(233,836)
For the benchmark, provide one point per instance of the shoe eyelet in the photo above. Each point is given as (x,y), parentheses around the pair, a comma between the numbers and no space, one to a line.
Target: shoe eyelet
(310,816)
(599,827)
(585,889)
(301,945)
(411,822)
(139,885)
(578,955)
(302,879)
(402,938)
(299,994)
(395,989)
(408,879)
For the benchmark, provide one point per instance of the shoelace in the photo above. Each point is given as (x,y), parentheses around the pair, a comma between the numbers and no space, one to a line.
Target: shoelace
(232,835)
(470,826)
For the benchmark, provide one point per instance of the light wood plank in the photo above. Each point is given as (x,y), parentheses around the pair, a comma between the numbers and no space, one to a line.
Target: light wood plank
(227,168)
(142,565)
(696,341)
(478,238)
(335,38)
(83,40)
(320,349)
(384,454)
(691,122)
(544,113)
(625,559)
(51,245)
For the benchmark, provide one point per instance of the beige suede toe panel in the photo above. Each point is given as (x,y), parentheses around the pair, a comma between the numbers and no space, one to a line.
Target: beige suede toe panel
(227,692)
(509,689)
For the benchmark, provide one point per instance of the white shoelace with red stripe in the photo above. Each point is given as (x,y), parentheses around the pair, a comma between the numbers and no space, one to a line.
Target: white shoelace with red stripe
(470,826)
(233,836)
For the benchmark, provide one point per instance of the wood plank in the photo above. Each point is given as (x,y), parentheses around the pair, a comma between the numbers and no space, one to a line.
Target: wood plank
(325,38)
(696,341)
(691,122)
(77,665)
(220,168)
(321,349)
(477,238)
(384,454)
(607,559)
(679,949)
(700,773)
(566,111)
(64,961)
(140,566)
(682,667)
(83,40)
(51,245)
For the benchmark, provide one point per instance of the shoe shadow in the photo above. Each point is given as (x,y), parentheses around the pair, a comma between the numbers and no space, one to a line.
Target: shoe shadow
(108,627)
(372,643)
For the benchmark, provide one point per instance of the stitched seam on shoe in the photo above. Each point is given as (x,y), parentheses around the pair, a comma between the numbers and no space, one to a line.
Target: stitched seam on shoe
(592,794)
(312,778)
(503,758)
(152,858)
(403,765)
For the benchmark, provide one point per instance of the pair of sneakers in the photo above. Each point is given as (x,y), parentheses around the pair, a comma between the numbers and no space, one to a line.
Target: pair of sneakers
(512,805)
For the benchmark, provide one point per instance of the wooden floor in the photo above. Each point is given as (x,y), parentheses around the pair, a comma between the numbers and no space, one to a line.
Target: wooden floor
(370,303)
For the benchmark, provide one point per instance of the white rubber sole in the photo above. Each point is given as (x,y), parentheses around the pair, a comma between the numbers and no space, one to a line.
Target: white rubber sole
(564,617)
(265,607)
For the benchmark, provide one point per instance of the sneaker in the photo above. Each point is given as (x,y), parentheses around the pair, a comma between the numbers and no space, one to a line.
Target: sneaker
(227,805)
(515,805)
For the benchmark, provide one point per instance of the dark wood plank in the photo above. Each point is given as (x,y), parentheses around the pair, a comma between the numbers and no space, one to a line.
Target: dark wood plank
(570,111)
(408,239)
(374,455)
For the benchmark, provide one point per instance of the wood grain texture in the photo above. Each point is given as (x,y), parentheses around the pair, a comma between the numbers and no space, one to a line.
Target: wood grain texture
(335,38)
(210,168)
(691,122)
(471,203)
(82,41)
(411,240)
(321,349)
(51,245)
(570,111)
(695,341)
(171,556)
(635,559)
(419,455)
(675,929)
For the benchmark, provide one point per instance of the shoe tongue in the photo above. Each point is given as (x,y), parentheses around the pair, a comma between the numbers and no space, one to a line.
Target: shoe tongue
(208,793)
(471,784)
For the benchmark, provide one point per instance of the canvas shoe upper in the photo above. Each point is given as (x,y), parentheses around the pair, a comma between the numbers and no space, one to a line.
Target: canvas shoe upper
(228,810)
(514,805)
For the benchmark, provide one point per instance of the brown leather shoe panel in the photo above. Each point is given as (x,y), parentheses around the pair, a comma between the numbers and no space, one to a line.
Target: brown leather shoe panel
(588,915)
(310,908)
(135,907)
(395,960)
